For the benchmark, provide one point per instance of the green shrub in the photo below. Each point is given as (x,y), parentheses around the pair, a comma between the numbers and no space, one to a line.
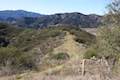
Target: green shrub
(60,56)
(90,53)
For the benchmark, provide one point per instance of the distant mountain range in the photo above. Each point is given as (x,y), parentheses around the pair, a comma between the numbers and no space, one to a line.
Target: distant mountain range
(35,20)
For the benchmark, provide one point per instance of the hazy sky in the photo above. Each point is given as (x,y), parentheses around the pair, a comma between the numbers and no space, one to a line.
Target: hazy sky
(56,6)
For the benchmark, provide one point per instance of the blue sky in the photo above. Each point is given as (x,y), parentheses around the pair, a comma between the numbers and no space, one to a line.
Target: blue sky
(56,6)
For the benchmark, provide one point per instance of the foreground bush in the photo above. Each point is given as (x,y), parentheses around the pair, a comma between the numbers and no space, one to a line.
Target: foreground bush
(107,46)
(108,41)
(16,61)
(91,52)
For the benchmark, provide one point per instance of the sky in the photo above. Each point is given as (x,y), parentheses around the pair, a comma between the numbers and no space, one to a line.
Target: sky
(56,6)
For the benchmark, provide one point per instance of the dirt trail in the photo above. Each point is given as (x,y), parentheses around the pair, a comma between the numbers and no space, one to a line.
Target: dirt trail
(91,30)
(70,46)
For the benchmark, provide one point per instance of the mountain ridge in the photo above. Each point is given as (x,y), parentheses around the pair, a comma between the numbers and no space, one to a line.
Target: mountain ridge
(35,20)
(18,14)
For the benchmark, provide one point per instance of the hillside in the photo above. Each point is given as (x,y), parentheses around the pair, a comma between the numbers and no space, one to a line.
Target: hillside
(56,52)
(76,19)
(31,44)
(60,55)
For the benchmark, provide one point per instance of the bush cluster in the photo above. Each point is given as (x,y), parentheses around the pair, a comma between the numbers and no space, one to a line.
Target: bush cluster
(15,60)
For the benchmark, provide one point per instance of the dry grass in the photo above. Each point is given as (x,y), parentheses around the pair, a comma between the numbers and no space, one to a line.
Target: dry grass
(94,70)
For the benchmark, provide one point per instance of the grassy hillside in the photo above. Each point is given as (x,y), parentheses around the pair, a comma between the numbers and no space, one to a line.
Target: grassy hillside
(24,49)
(59,50)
